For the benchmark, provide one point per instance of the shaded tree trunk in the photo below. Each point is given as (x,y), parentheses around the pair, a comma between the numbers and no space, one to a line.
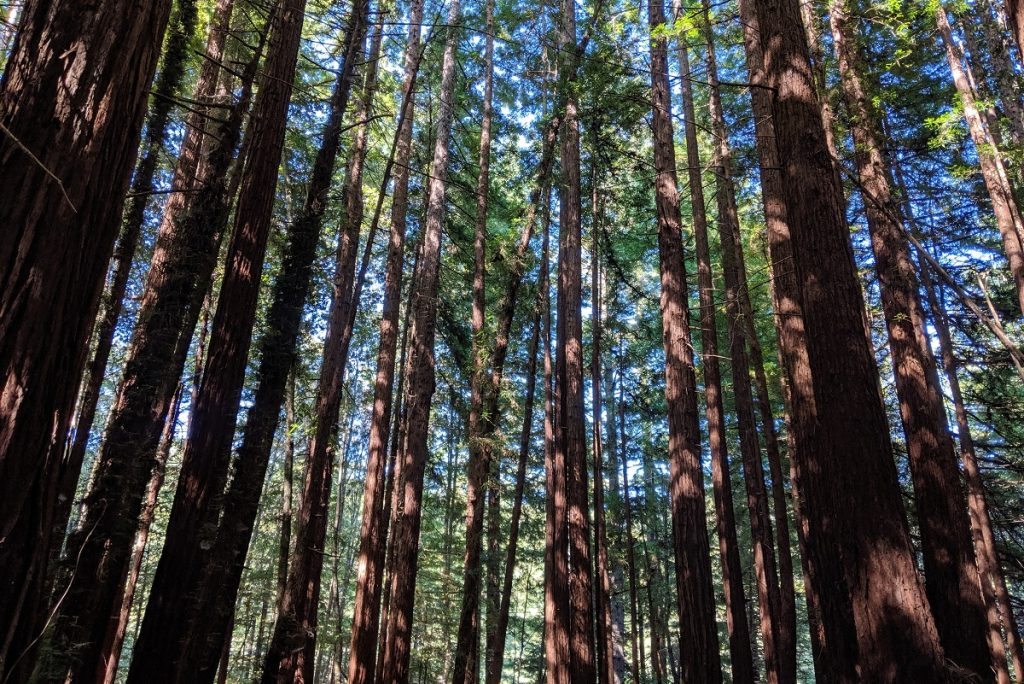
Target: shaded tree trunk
(636,629)
(732,572)
(191,528)
(413,453)
(874,611)
(87,71)
(695,595)
(951,575)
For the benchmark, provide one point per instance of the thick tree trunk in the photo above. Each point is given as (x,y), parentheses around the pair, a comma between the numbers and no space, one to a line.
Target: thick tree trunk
(179,277)
(165,89)
(421,387)
(1015,12)
(467,656)
(191,529)
(86,70)
(951,575)
(732,573)
(874,611)
(374,527)
(695,594)
(993,172)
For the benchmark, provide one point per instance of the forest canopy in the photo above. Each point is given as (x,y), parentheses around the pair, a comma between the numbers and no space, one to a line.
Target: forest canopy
(379,341)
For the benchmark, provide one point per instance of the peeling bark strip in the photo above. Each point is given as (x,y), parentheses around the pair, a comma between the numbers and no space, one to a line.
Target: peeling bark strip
(950,570)
(695,594)
(191,527)
(859,557)
(86,70)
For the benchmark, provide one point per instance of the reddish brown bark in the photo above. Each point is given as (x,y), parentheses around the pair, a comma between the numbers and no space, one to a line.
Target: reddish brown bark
(191,528)
(951,579)
(602,579)
(732,574)
(993,172)
(874,611)
(467,656)
(179,276)
(373,531)
(1015,12)
(695,595)
(413,453)
(86,70)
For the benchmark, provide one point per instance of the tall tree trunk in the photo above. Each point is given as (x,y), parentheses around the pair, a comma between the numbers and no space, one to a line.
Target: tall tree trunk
(570,425)
(191,528)
(993,172)
(695,595)
(291,654)
(284,545)
(874,611)
(86,70)
(421,379)
(602,580)
(165,89)
(467,657)
(496,656)
(636,630)
(732,573)
(179,277)
(1015,12)
(951,576)
(373,531)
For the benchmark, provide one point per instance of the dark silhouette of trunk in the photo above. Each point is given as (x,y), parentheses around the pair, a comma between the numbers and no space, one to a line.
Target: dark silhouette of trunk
(70,177)
(1015,13)
(373,531)
(496,655)
(191,528)
(766,572)
(732,572)
(467,656)
(993,171)
(165,89)
(603,584)
(292,650)
(695,595)
(859,556)
(178,279)
(570,430)
(419,393)
(950,571)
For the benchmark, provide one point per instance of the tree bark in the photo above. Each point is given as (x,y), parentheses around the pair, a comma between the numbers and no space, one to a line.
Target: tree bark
(993,172)
(874,611)
(695,595)
(636,629)
(950,571)
(86,70)
(198,501)
(177,282)
(732,573)
(413,453)
(467,656)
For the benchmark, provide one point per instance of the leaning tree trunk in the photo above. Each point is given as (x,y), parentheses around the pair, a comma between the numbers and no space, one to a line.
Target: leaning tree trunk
(191,527)
(950,571)
(732,575)
(86,70)
(861,567)
(695,594)
(993,172)
(179,277)
(421,380)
